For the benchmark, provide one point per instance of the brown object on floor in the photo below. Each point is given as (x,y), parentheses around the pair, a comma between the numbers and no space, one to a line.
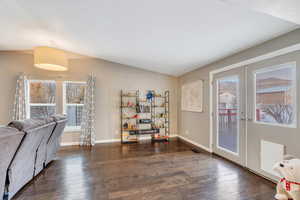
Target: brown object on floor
(159,171)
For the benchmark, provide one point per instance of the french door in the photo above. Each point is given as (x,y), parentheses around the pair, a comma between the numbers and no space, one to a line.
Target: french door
(272,113)
(229,115)
(255,113)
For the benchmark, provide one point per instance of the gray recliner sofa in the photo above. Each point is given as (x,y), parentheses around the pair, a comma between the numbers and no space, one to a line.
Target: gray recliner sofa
(10,139)
(22,168)
(32,153)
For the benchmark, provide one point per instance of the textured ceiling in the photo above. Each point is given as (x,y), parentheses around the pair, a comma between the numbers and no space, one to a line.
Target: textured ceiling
(169,36)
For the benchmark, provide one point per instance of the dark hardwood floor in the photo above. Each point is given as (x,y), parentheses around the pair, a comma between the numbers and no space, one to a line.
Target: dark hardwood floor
(144,172)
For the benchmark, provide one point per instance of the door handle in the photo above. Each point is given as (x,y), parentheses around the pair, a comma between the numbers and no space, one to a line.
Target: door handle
(242,116)
(245,119)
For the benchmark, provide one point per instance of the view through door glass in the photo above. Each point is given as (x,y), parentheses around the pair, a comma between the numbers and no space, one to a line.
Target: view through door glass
(275,95)
(228,109)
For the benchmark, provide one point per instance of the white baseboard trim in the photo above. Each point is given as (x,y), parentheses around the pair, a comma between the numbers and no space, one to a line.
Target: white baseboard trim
(97,142)
(63,144)
(106,141)
(196,144)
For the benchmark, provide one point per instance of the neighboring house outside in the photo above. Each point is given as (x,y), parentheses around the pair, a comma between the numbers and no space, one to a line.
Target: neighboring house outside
(273,91)
(274,101)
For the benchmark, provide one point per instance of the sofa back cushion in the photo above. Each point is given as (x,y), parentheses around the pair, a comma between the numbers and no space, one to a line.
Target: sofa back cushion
(28,124)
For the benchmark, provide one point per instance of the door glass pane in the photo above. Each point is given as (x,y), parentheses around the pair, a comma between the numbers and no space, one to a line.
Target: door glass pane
(275,93)
(228,106)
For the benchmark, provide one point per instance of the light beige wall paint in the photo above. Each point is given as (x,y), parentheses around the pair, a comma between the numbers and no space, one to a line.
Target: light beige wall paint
(197,125)
(111,78)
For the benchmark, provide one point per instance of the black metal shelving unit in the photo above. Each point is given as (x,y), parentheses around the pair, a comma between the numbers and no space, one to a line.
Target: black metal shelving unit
(142,116)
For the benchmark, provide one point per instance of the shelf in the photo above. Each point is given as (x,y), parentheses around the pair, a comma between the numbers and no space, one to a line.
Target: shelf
(142,121)
(128,106)
(130,129)
(129,96)
(130,141)
(128,118)
(133,118)
(144,132)
(160,139)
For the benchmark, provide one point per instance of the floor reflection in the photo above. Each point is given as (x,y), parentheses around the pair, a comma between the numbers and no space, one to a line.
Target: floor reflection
(144,172)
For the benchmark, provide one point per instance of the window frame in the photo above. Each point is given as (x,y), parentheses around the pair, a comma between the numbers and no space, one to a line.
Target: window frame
(65,104)
(291,65)
(29,105)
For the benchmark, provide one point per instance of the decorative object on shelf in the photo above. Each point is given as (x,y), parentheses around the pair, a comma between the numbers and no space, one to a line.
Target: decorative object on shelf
(158,137)
(149,95)
(143,108)
(19,108)
(135,116)
(129,105)
(125,125)
(160,115)
(50,59)
(129,94)
(150,116)
(192,96)
(87,136)
(145,121)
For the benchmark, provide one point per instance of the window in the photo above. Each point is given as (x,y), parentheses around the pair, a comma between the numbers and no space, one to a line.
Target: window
(276,95)
(73,103)
(41,98)
(227,117)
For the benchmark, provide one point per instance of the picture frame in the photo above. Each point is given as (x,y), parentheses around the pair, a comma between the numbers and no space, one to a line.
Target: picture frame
(192,96)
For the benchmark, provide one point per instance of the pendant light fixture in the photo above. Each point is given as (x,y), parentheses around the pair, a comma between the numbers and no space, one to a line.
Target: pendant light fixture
(50,59)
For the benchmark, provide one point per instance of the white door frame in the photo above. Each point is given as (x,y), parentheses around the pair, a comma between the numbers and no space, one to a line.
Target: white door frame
(239,155)
(266,56)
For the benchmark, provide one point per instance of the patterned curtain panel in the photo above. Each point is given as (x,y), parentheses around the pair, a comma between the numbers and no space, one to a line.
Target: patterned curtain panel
(19,107)
(87,137)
